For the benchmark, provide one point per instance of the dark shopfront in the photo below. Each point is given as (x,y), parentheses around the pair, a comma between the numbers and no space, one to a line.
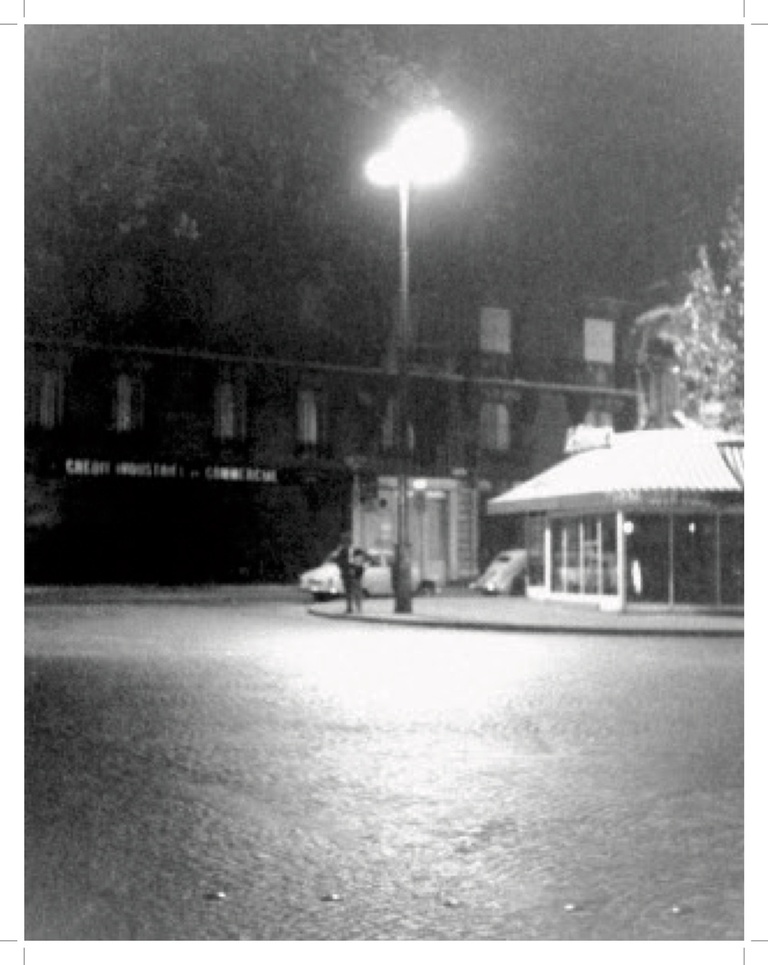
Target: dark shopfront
(106,521)
(685,558)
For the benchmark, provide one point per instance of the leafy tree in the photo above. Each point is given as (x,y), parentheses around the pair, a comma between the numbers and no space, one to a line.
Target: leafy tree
(711,331)
(175,170)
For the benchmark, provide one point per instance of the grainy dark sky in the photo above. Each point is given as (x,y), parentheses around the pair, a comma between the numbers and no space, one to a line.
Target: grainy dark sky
(601,156)
(622,144)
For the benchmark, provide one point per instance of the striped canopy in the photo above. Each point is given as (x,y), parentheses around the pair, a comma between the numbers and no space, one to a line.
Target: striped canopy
(653,467)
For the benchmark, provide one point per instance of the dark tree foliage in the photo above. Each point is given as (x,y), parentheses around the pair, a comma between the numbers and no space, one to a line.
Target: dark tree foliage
(188,184)
(204,183)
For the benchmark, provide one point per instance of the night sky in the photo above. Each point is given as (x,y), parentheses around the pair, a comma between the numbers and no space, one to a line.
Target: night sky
(615,149)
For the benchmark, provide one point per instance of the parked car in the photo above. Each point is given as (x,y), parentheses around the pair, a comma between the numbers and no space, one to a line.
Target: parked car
(505,574)
(324,582)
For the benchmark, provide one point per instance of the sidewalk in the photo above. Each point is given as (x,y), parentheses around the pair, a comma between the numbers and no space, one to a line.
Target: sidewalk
(463,610)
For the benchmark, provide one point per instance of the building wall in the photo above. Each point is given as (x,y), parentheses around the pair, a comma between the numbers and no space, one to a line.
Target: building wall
(213,466)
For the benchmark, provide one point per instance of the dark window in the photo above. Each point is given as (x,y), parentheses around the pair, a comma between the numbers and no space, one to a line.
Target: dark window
(494,426)
(128,403)
(229,411)
(732,559)
(647,560)
(51,400)
(695,559)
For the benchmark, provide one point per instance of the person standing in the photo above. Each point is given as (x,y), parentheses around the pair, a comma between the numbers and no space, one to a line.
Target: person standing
(359,560)
(351,562)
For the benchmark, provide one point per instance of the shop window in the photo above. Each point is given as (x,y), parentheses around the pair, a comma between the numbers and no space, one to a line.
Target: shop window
(494,427)
(592,551)
(573,568)
(128,403)
(51,407)
(558,555)
(647,558)
(584,555)
(566,556)
(732,560)
(535,529)
(695,559)
(608,560)
(229,411)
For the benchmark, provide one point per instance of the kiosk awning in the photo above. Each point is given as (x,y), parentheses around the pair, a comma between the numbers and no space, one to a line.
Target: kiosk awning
(661,467)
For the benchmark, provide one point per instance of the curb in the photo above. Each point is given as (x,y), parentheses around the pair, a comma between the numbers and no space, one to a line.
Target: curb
(434,623)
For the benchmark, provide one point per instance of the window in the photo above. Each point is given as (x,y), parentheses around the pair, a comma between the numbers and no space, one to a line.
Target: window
(494,426)
(732,559)
(495,331)
(600,418)
(647,558)
(51,409)
(307,417)
(591,548)
(664,393)
(610,577)
(584,555)
(388,425)
(599,341)
(128,403)
(695,558)
(229,411)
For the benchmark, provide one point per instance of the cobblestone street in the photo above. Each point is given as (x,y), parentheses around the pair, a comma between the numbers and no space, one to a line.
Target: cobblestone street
(249,772)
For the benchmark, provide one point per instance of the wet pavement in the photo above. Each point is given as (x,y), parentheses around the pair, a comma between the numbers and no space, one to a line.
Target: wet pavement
(214,767)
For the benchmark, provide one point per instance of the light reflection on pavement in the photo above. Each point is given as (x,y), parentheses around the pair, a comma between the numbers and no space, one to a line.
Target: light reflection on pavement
(445,786)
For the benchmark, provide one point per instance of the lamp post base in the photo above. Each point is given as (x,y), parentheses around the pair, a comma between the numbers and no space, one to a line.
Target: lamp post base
(402,575)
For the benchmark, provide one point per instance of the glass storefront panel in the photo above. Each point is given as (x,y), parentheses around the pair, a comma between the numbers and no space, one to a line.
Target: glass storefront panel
(732,560)
(572,556)
(558,555)
(610,582)
(695,559)
(535,527)
(670,558)
(592,553)
(584,555)
(647,558)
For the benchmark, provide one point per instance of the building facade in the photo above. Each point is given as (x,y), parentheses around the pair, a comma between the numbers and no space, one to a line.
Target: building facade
(189,463)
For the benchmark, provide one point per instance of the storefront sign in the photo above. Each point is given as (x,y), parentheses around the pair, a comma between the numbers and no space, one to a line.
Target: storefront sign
(582,438)
(164,470)
(661,500)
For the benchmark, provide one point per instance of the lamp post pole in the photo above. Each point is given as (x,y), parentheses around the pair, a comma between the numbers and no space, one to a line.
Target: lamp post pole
(428,149)
(403,596)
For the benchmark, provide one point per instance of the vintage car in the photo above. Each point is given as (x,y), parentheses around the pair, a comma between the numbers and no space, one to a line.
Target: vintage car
(324,582)
(505,574)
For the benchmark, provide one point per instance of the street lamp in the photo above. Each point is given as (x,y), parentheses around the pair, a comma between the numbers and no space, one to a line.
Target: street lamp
(428,149)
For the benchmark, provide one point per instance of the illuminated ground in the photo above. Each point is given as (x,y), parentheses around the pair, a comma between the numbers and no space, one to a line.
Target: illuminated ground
(249,772)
